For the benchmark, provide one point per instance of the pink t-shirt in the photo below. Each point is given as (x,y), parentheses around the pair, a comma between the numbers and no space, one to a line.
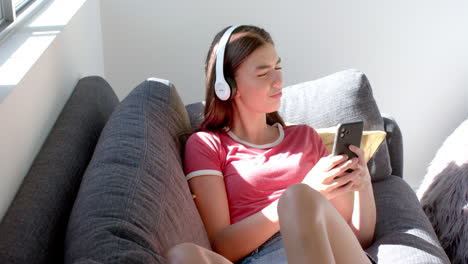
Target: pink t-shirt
(254,175)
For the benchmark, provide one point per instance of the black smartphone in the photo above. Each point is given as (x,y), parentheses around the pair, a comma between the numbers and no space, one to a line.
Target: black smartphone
(347,134)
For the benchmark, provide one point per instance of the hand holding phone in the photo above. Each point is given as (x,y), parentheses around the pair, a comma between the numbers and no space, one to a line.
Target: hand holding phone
(327,175)
(347,134)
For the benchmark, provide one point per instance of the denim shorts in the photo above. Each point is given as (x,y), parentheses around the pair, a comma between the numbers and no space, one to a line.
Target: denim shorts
(272,252)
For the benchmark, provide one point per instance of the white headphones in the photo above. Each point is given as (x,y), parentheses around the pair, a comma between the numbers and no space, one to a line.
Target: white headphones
(222,88)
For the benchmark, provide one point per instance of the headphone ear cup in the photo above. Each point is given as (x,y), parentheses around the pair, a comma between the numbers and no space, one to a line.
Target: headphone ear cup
(232,85)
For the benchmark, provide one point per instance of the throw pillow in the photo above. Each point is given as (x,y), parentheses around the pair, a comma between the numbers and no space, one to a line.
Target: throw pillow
(337,98)
(370,141)
(444,194)
(134,202)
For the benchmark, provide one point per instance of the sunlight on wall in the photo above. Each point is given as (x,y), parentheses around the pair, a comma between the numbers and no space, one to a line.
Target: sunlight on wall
(22,49)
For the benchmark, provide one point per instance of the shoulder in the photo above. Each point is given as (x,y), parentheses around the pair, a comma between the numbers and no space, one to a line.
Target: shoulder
(302,132)
(203,136)
(308,135)
(300,129)
(208,139)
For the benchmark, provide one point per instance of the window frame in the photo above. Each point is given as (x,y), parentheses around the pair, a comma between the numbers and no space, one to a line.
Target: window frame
(12,16)
(23,4)
(9,13)
(1,13)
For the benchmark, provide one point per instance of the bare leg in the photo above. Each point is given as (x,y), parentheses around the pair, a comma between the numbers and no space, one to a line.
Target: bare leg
(186,253)
(313,231)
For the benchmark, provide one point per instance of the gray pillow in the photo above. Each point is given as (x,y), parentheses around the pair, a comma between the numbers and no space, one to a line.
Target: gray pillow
(33,228)
(344,96)
(134,202)
(444,194)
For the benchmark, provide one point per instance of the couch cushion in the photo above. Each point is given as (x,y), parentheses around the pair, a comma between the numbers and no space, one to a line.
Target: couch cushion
(403,234)
(33,228)
(341,97)
(134,202)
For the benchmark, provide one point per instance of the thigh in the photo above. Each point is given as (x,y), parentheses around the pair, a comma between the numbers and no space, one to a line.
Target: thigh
(308,218)
(345,245)
(344,242)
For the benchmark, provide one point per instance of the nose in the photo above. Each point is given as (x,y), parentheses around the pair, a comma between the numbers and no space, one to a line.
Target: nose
(278,79)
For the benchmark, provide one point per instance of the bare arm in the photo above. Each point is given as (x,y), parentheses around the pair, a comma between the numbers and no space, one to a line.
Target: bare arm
(330,178)
(364,216)
(358,207)
(237,240)
(359,212)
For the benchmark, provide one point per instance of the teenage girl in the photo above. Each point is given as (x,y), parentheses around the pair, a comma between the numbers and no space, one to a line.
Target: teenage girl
(253,176)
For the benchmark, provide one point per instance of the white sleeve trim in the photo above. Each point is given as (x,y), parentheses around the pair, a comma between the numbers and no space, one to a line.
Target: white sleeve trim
(203,172)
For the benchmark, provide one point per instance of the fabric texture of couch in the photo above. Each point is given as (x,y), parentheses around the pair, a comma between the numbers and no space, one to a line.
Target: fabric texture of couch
(133,202)
(33,228)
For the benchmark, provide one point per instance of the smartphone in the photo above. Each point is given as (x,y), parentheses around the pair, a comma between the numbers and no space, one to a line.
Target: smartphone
(347,134)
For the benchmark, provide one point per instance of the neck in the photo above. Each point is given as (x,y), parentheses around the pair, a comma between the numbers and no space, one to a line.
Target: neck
(252,127)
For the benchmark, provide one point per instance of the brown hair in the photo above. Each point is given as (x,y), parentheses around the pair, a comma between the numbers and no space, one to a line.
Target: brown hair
(218,114)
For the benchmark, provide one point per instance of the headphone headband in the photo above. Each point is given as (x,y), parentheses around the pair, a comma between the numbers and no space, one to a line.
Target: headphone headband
(222,89)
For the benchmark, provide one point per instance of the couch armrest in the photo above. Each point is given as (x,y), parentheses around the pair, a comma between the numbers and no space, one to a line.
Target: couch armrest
(33,228)
(395,144)
(403,234)
(195,112)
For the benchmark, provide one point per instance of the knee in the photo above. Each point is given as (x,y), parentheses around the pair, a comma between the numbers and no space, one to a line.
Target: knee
(299,197)
(182,253)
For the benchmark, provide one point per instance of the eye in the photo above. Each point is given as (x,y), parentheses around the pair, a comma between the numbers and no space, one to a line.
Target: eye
(262,75)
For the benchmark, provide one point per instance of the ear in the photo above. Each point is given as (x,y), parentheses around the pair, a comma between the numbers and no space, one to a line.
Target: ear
(236,94)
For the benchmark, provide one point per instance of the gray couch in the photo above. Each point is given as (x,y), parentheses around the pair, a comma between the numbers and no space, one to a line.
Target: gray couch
(108,184)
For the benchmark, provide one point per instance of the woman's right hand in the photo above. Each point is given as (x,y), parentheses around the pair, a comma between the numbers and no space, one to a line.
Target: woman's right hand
(329,175)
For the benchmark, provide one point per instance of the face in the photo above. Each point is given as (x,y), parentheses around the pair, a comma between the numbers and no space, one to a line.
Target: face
(259,81)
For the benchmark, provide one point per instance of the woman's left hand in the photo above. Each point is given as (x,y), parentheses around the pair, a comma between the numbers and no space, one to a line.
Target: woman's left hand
(362,179)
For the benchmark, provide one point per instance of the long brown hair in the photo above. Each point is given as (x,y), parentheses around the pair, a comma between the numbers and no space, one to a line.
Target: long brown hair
(219,114)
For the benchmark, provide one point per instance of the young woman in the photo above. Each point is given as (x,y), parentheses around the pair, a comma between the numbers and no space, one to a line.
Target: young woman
(253,176)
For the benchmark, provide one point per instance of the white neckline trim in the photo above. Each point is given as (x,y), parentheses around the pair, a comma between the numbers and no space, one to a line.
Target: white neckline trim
(264,146)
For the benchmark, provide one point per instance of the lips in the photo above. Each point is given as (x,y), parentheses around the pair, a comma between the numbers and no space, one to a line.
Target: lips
(276,95)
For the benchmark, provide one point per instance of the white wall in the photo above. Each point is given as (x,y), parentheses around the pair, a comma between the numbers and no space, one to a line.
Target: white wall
(413,52)
(30,110)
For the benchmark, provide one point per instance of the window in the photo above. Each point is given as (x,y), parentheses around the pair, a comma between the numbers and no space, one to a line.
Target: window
(14,12)
(19,4)
(10,10)
(1,13)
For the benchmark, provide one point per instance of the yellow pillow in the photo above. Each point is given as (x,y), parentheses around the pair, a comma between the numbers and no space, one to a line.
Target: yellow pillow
(370,141)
